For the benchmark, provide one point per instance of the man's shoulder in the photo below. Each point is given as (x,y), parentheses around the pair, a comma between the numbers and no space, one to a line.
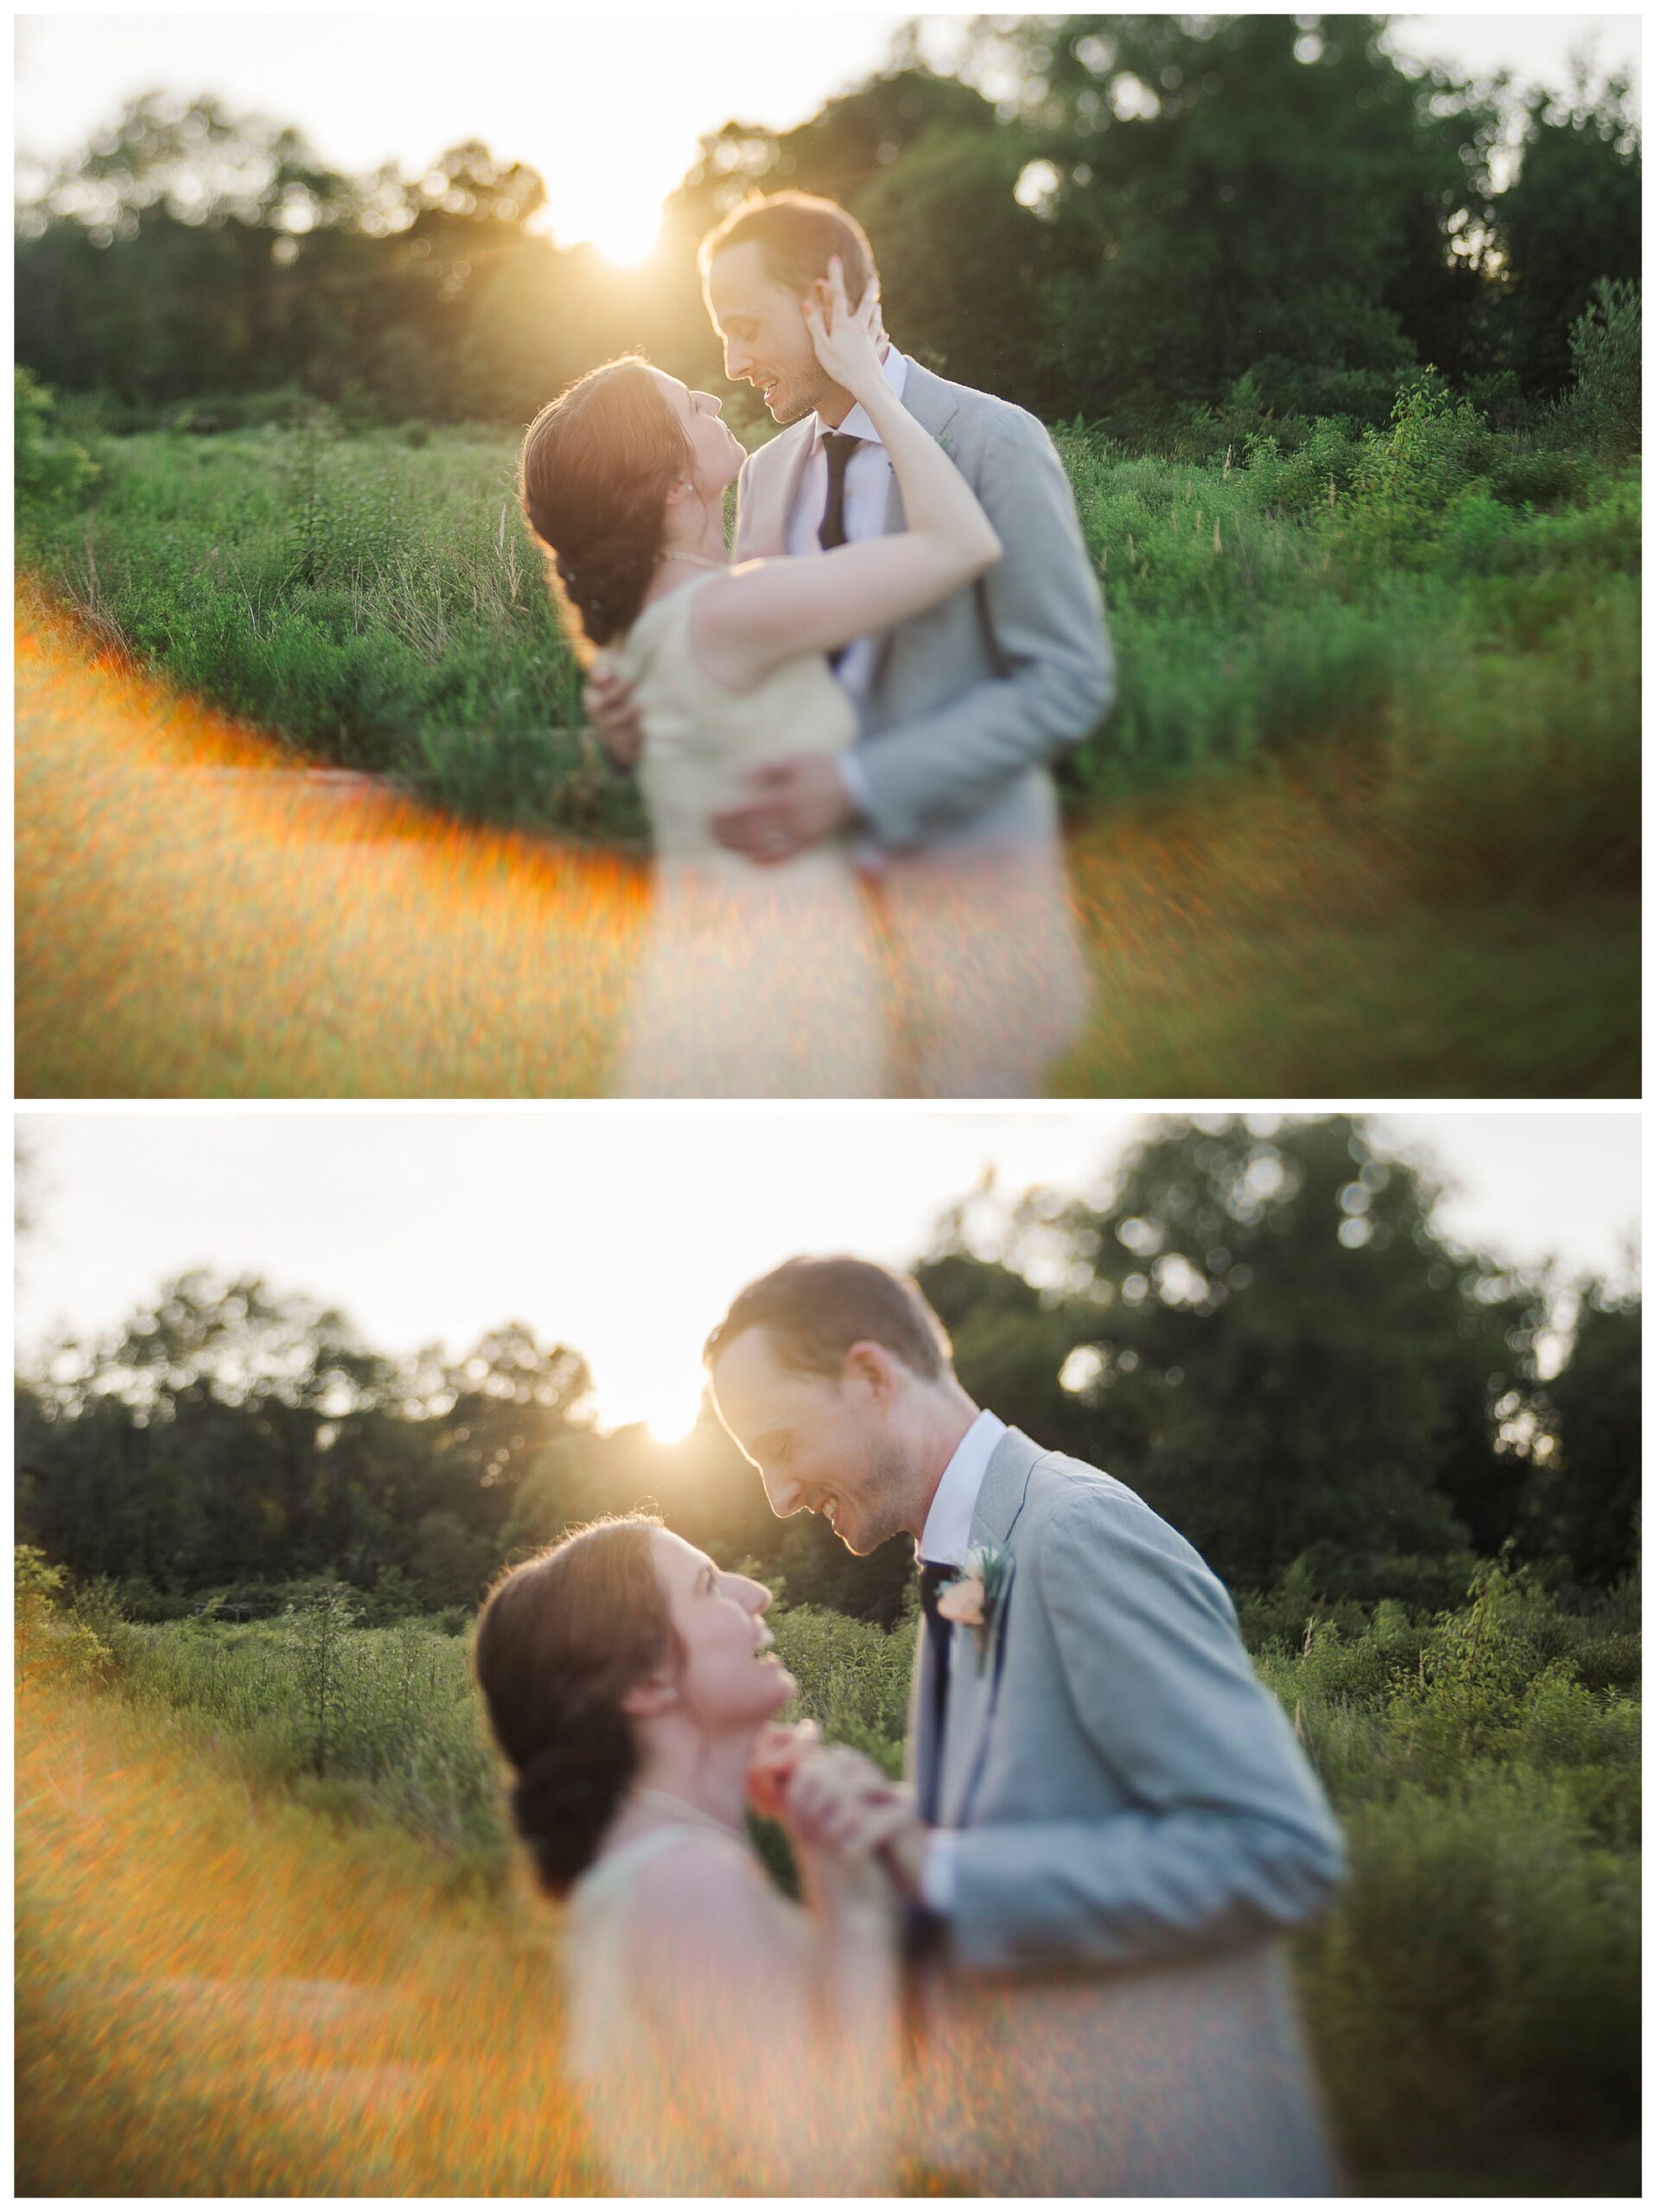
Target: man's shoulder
(985,411)
(1068,1500)
(1060,1484)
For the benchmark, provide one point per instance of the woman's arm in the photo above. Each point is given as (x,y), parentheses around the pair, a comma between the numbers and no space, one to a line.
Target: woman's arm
(767,612)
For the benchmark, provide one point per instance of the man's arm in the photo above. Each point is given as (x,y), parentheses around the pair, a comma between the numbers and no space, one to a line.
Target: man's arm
(1046,614)
(1229,1836)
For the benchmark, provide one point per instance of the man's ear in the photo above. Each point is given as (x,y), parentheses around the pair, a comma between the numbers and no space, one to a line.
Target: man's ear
(872,1365)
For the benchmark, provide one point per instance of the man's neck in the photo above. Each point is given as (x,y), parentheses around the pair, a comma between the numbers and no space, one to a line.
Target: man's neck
(837,403)
(943,1443)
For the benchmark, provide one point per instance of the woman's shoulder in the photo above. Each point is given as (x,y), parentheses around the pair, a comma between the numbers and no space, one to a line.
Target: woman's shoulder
(672,1864)
(659,631)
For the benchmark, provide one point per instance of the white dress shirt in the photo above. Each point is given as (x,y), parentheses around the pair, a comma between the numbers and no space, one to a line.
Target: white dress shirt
(945,1540)
(868,487)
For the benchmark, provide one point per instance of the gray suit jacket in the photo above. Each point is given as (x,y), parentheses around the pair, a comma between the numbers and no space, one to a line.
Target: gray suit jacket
(969,699)
(1135,1826)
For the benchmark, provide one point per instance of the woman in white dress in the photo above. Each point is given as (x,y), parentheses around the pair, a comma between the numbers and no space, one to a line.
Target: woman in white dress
(723,2041)
(756,981)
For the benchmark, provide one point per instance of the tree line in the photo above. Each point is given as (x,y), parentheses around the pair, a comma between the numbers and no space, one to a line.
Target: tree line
(1259,1328)
(1142,216)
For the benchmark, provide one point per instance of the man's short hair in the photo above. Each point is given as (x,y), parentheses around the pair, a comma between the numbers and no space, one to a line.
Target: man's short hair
(816,1310)
(798,234)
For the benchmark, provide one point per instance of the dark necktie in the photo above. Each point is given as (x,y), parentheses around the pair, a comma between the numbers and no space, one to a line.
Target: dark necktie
(932,1579)
(831,531)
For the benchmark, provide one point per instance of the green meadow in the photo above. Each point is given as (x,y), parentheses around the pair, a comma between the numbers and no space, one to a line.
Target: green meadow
(1363,818)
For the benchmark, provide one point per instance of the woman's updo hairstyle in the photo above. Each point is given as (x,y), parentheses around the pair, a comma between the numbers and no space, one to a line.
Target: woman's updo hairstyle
(558,1643)
(597,464)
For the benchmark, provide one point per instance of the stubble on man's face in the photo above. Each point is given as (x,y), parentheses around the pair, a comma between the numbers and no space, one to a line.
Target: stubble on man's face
(880,1501)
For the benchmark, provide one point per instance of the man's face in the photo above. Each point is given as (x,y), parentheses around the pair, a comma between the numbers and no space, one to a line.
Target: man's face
(767,343)
(822,1443)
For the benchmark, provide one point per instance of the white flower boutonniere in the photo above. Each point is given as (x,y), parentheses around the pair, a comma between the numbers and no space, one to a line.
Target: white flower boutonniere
(973,1598)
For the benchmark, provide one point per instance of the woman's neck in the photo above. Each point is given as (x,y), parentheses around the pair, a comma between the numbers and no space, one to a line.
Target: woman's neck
(708,1778)
(691,546)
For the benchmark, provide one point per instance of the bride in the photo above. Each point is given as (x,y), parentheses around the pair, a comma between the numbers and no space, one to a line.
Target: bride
(724,2041)
(756,981)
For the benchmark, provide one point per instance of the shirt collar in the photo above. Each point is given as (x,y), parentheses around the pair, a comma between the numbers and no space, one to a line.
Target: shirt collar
(857,423)
(947,1533)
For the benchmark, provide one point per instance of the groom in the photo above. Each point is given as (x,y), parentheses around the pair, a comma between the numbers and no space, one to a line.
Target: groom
(946,793)
(1114,1825)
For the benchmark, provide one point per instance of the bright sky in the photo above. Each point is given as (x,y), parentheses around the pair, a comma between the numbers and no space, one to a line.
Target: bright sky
(559,88)
(625,1231)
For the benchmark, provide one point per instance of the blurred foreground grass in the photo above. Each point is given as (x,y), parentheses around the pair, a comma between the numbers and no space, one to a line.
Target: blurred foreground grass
(221,1993)
(192,921)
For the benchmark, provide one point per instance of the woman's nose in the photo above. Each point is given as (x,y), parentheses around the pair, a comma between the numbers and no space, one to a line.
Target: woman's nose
(755,1596)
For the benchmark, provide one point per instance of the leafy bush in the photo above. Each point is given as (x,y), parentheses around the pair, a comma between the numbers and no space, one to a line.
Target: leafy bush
(1603,405)
(49,1643)
(49,471)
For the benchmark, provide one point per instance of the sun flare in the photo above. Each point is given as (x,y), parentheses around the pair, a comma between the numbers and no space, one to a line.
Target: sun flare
(621,218)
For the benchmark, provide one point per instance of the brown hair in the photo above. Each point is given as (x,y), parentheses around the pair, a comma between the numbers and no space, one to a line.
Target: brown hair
(798,234)
(558,1643)
(818,1309)
(596,467)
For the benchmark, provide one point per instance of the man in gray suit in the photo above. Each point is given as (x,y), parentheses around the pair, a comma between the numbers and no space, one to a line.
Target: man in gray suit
(946,791)
(1114,1825)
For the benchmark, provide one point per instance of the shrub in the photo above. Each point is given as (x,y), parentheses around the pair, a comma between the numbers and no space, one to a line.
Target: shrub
(1602,406)
(49,471)
(48,1644)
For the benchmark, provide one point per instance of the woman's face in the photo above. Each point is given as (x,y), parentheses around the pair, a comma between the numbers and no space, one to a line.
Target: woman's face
(717,451)
(729,1675)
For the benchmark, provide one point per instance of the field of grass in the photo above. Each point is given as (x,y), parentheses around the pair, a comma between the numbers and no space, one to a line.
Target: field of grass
(311,1801)
(1364,820)
(1441,595)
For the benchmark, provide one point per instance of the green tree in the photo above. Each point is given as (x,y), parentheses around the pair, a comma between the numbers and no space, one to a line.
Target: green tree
(1570,219)
(1262,1332)
(1259,195)
(1586,1508)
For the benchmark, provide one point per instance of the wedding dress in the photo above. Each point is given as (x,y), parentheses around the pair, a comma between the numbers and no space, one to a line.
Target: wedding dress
(687,2092)
(755,982)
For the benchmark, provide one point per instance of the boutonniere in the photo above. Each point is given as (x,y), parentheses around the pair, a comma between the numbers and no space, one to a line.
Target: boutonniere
(973,1598)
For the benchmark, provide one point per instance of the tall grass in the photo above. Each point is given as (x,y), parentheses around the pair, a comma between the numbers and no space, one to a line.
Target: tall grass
(1474,1996)
(1450,597)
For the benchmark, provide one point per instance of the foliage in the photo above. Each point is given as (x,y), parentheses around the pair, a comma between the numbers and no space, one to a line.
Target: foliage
(1569,223)
(1456,607)
(49,472)
(47,1644)
(376,605)
(1260,1326)
(1602,407)
(1157,206)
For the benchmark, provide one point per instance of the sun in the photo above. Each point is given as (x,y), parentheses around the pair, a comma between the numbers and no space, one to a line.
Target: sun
(661,1385)
(620,218)
(627,237)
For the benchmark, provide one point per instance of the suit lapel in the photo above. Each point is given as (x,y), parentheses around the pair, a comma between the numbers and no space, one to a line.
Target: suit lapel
(764,497)
(926,1770)
(932,406)
(974,1688)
